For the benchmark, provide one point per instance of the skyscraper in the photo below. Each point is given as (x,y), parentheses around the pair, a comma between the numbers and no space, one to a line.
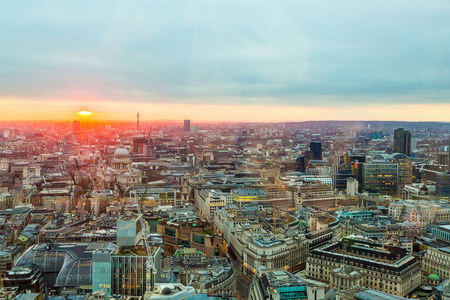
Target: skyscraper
(76,126)
(315,150)
(402,141)
(187,125)
(443,185)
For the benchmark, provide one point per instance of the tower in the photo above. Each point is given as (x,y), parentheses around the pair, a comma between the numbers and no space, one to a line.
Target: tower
(315,149)
(76,126)
(402,141)
(137,123)
(187,125)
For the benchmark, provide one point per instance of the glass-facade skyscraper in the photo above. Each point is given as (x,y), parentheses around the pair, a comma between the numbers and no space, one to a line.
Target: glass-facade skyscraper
(380,176)
(187,125)
(402,141)
(315,149)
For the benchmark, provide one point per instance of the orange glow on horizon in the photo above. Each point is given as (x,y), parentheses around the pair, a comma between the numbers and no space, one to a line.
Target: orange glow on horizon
(101,110)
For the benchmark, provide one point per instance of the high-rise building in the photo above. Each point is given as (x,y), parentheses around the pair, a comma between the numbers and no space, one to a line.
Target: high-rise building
(122,271)
(300,163)
(129,231)
(380,176)
(76,126)
(187,125)
(402,141)
(443,185)
(315,150)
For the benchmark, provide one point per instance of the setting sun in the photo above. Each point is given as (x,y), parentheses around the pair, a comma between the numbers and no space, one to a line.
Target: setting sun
(85,113)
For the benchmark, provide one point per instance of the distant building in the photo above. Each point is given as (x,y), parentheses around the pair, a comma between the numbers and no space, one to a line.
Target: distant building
(247,195)
(187,125)
(352,186)
(189,233)
(141,145)
(421,212)
(194,129)
(209,201)
(300,163)
(381,177)
(315,149)
(76,126)
(443,185)
(402,141)
(404,164)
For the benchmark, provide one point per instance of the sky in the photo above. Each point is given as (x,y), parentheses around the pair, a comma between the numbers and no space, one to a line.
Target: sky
(225,60)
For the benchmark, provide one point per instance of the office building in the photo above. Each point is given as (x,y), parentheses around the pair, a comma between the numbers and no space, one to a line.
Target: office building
(210,201)
(380,176)
(247,195)
(421,212)
(388,269)
(443,185)
(76,126)
(194,129)
(315,149)
(404,164)
(402,141)
(212,275)
(352,186)
(300,163)
(280,285)
(189,233)
(26,278)
(129,230)
(122,271)
(436,261)
(187,125)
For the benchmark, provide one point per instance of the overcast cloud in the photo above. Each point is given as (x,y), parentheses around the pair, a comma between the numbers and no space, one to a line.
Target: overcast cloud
(320,53)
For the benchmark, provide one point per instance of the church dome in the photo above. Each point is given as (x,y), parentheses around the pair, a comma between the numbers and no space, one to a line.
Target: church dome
(433,277)
(121,152)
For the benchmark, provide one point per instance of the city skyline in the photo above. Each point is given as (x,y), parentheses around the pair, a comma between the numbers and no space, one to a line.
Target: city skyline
(225,61)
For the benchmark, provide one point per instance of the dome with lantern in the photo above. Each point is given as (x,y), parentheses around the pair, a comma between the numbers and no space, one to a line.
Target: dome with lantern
(121,152)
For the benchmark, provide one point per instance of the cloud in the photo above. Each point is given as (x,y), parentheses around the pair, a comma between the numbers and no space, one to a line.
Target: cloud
(291,53)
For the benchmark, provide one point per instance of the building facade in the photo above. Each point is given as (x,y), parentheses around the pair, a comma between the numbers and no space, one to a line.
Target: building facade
(391,270)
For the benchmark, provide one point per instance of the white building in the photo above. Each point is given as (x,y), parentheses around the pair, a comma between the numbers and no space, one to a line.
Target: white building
(210,201)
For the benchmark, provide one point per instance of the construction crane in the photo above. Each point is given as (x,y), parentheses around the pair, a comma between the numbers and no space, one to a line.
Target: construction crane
(150,264)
